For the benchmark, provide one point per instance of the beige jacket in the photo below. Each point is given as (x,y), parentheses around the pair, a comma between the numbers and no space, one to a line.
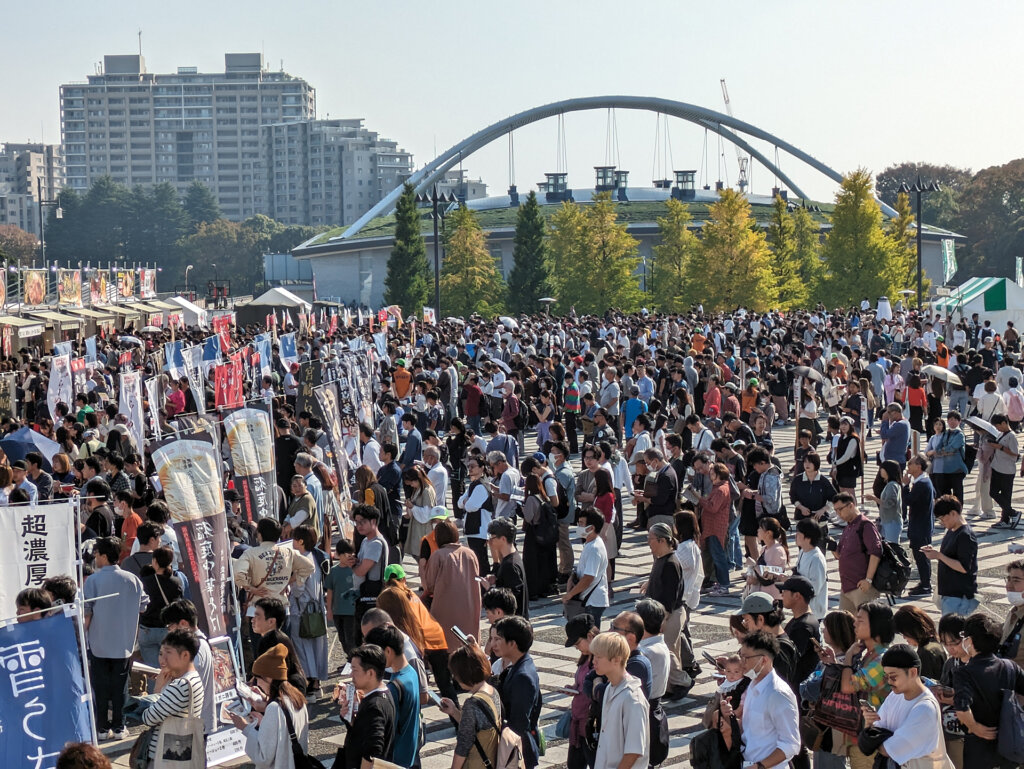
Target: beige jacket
(269,569)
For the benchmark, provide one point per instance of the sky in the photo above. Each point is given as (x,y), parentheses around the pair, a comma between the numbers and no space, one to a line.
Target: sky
(863,84)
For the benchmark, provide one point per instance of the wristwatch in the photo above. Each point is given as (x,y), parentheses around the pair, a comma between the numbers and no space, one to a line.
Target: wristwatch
(759,765)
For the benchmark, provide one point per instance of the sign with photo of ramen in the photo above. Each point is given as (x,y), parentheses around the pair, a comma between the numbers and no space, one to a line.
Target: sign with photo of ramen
(33,286)
(69,288)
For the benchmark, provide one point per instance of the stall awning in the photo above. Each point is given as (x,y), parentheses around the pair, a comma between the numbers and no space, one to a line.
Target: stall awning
(120,309)
(85,312)
(59,318)
(26,326)
(161,305)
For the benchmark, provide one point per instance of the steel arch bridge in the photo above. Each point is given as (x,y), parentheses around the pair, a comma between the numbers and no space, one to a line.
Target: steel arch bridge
(727,127)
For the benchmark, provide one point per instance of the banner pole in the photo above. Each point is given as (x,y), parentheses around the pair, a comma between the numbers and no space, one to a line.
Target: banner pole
(80,623)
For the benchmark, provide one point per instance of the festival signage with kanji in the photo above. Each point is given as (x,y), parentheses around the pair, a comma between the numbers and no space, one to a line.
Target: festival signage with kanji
(250,441)
(38,542)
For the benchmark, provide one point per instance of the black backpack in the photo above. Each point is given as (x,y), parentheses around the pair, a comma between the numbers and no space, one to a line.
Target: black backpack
(545,530)
(893,571)
(522,415)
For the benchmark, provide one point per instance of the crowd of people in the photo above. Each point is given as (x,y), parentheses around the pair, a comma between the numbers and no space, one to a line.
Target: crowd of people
(500,466)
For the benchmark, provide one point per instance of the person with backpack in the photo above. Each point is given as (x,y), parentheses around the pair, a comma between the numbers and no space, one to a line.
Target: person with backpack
(624,740)
(540,529)
(1014,400)
(478,735)
(761,611)
(859,552)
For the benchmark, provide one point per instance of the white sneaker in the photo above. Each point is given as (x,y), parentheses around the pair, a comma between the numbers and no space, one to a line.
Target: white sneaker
(121,735)
(106,736)
(987,516)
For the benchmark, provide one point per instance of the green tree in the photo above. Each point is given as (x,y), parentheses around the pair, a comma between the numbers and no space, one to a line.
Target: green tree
(860,258)
(807,251)
(156,225)
(104,214)
(992,218)
(470,279)
(408,279)
(566,255)
(200,204)
(938,208)
(902,230)
(224,244)
(678,245)
(790,288)
(528,282)
(733,266)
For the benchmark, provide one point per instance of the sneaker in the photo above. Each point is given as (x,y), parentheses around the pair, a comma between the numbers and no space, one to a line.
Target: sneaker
(105,736)
(920,590)
(120,735)
(719,591)
(1002,525)
(987,515)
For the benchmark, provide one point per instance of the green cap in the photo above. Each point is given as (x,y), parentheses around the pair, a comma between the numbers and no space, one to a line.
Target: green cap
(394,570)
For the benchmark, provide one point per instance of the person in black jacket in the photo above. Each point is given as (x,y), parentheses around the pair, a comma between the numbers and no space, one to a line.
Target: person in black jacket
(509,571)
(371,734)
(662,505)
(519,685)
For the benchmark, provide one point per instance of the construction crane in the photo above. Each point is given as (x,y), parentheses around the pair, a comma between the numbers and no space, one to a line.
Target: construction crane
(742,159)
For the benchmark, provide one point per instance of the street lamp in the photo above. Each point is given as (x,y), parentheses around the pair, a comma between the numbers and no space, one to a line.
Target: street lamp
(58,212)
(434,198)
(919,188)
(186,278)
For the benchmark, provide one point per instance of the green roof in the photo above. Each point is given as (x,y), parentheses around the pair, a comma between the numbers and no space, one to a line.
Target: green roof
(491,219)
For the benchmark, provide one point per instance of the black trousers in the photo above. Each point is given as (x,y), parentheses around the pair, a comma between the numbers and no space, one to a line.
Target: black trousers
(1001,491)
(437,659)
(110,690)
(483,555)
(571,432)
(949,483)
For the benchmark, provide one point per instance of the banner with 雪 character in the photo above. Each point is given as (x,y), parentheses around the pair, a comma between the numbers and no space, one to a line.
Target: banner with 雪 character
(250,441)
(43,699)
(38,542)
(188,469)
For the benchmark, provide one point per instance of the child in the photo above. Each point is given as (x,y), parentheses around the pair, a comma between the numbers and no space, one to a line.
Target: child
(498,602)
(341,596)
(733,686)
(802,449)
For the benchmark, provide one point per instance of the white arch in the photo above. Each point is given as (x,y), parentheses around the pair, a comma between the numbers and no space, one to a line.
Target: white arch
(710,119)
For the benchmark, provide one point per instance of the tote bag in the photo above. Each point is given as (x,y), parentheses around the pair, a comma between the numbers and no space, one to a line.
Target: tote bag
(180,744)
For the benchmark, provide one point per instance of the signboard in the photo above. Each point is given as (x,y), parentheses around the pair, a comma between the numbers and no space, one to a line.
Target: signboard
(38,542)
(69,288)
(250,441)
(33,286)
(147,284)
(948,259)
(8,395)
(98,288)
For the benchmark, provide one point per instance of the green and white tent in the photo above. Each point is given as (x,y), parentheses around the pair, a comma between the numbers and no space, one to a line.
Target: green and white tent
(996,299)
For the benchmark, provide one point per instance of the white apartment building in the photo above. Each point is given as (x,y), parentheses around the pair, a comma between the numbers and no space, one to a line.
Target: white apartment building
(146,128)
(25,171)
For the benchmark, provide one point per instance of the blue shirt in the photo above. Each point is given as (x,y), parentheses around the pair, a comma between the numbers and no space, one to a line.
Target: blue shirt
(115,620)
(407,715)
(639,667)
(897,437)
(631,409)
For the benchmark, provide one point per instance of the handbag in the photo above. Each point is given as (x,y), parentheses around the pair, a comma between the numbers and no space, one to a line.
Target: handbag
(312,623)
(1010,737)
(181,743)
(835,708)
(139,756)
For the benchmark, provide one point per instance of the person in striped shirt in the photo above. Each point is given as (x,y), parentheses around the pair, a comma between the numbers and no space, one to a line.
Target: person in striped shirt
(179,687)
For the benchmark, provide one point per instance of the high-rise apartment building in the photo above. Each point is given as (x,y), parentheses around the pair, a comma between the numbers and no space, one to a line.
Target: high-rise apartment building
(26,170)
(145,128)
(325,172)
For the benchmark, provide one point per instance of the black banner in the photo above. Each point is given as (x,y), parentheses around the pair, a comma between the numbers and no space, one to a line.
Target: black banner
(310,376)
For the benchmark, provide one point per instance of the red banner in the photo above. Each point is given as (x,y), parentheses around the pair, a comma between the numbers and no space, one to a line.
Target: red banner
(334,324)
(125,360)
(382,316)
(222,327)
(228,380)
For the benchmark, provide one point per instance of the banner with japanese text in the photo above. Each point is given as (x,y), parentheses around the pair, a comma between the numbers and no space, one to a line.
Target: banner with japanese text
(188,468)
(79,376)
(8,395)
(193,358)
(250,440)
(229,383)
(38,542)
(69,288)
(58,390)
(43,699)
(130,404)
(147,284)
(126,283)
(310,376)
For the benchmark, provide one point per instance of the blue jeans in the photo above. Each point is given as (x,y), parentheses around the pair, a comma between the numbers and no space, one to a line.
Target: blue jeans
(149,644)
(956,605)
(732,544)
(474,424)
(719,559)
(958,401)
(596,612)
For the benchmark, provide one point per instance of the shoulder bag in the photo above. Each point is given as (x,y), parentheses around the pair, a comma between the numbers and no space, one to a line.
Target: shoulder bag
(180,743)
(301,759)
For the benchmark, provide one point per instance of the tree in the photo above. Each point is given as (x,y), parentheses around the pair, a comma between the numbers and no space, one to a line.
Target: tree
(807,251)
(992,218)
(667,282)
(860,259)
(16,245)
(733,266)
(157,223)
(790,287)
(566,255)
(407,283)
(200,205)
(528,282)
(470,280)
(224,244)
(938,208)
(902,230)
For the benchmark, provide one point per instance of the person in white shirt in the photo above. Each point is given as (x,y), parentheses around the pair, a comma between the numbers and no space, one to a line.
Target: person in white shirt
(371,448)
(810,563)
(653,645)
(624,742)
(437,474)
(590,577)
(770,716)
(910,712)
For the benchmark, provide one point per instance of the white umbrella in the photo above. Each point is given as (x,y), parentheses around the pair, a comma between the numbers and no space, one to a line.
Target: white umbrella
(151,330)
(508,322)
(942,373)
(131,340)
(984,424)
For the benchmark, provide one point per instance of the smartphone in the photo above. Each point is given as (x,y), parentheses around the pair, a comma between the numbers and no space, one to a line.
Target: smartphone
(460,635)
(816,644)
(434,697)
(710,659)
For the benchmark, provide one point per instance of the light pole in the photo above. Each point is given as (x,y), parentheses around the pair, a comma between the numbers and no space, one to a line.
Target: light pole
(919,188)
(434,198)
(186,277)
(59,213)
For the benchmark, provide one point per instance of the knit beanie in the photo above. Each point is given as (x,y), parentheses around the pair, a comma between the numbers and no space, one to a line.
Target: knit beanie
(271,664)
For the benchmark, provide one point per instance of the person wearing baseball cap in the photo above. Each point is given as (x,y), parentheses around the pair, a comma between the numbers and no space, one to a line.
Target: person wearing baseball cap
(759,611)
(802,629)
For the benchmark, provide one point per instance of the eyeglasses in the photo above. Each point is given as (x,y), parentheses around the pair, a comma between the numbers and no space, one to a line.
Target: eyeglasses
(891,677)
(620,630)
(751,656)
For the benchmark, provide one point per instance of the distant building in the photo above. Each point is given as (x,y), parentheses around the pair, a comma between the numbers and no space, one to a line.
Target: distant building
(464,188)
(325,172)
(145,128)
(25,170)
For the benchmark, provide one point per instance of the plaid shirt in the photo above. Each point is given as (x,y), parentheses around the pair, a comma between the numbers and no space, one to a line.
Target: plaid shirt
(870,677)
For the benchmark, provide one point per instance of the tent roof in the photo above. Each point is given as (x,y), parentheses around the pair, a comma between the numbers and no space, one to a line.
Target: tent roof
(278,297)
(182,302)
(976,289)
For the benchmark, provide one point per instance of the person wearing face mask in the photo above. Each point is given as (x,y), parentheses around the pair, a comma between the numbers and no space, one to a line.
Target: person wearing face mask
(509,571)
(958,559)
(1010,646)
(770,717)
(588,586)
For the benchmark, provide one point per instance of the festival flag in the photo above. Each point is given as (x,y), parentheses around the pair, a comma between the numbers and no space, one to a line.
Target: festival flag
(188,467)
(229,381)
(289,350)
(428,316)
(63,348)
(310,376)
(175,363)
(69,288)
(124,360)
(211,353)
(250,441)
(130,404)
(59,390)
(288,316)
(154,395)
(193,357)
(382,316)
(314,287)
(8,395)
(43,699)
(334,325)
(262,345)
(38,542)
(222,327)
(79,378)
(90,348)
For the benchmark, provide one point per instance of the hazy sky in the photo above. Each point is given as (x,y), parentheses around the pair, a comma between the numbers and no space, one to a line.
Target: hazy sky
(853,84)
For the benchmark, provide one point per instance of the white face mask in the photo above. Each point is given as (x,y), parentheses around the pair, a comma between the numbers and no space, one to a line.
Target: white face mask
(583,531)
(551,461)
(754,673)
(1015,598)
(963,645)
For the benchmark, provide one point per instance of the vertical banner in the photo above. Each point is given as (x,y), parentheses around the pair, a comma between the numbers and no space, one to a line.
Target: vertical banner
(43,699)
(193,357)
(310,376)
(124,360)
(3,291)
(222,327)
(33,287)
(250,442)
(69,288)
(90,349)
(98,288)
(38,542)
(79,376)
(228,382)
(429,316)
(1020,271)
(175,361)
(188,467)
(59,388)
(326,397)
(211,353)
(126,284)
(147,284)
(949,266)
(130,404)
(154,395)
(8,395)
(289,351)
(262,345)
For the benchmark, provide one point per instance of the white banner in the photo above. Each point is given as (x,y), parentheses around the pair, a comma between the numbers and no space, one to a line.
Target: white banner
(38,542)
(60,389)
(155,398)
(130,405)
(193,357)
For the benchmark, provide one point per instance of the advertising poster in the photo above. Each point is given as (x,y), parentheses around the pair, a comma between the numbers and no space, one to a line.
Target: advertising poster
(69,288)
(59,388)
(98,287)
(250,441)
(310,376)
(8,395)
(229,383)
(130,404)
(38,542)
(188,469)
(125,284)
(33,286)
(147,284)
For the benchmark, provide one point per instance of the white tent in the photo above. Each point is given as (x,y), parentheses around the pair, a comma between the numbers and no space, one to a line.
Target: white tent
(995,299)
(193,315)
(280,297)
